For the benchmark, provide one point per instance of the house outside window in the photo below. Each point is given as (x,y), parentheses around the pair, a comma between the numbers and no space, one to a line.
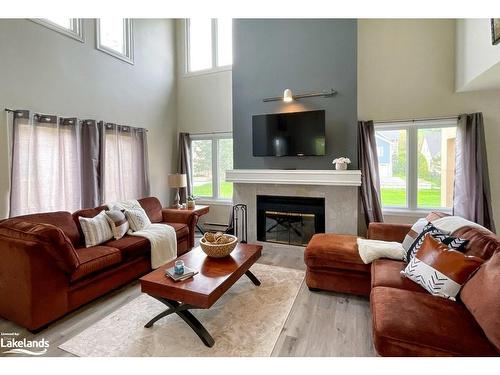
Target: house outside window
(416,164)
(208,45)
(212,156)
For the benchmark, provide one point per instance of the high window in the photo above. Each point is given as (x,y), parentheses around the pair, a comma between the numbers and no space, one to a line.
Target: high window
(115,37)
(209,44)
(416,163)
(212,157)
(72,27)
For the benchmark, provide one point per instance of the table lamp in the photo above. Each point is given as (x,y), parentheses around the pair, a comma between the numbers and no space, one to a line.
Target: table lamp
(177,180)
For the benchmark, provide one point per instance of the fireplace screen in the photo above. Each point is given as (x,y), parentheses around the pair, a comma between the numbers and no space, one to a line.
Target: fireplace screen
(289,220)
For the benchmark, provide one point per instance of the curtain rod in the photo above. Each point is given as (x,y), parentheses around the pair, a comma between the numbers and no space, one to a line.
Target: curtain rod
(206,133)
(417,119)
(82,121)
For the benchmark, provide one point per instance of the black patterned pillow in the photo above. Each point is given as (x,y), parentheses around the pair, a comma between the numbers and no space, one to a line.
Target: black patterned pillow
(453,243)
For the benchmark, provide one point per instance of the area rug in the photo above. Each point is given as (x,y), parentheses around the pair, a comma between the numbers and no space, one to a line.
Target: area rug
(245,321)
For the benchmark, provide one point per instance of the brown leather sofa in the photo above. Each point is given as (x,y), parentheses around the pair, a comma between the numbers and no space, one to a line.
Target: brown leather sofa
(406,319)
(46,271)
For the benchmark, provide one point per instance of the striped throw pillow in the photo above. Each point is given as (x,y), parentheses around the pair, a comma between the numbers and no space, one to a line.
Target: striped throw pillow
(118,223)
(96,230)
(440,270)
(137,218)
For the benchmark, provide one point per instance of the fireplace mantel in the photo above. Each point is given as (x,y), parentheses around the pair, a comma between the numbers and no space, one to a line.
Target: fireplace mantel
(295,177)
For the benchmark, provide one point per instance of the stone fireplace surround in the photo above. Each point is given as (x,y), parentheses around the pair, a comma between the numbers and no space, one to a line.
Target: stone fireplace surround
(338,188)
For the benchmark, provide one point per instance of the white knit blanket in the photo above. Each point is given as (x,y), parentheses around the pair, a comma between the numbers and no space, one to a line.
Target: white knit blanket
(162,237)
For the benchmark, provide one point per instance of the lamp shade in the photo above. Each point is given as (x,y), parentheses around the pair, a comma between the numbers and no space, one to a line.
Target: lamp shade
(287,96)
(177,180)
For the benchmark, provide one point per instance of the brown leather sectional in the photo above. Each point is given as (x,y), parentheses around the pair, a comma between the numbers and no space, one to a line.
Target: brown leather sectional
(46,271)
(406,319)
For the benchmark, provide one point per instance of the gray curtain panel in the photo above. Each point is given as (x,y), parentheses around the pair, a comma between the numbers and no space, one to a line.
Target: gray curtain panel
(370,181)
(185,164)
(125,167)
(46,169)
(91,164)
(472,199)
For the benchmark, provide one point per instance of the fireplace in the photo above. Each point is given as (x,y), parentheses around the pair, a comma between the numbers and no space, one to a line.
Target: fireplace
(289,220)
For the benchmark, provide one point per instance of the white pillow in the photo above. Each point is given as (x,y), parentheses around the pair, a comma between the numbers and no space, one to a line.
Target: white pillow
(369,250)
(137,219)
(413,234)
(96,230)
(118,223)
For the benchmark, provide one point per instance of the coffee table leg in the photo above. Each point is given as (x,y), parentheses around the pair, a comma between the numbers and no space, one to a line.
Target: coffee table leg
(253,278)
(182,310)
(197,327)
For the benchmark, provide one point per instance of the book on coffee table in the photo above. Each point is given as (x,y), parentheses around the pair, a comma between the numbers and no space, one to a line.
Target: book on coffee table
(188,272)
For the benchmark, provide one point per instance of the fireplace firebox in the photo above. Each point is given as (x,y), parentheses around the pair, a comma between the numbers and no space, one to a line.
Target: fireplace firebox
(289,220)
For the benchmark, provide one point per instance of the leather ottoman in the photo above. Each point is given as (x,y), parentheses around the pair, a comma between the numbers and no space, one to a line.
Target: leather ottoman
(333,264)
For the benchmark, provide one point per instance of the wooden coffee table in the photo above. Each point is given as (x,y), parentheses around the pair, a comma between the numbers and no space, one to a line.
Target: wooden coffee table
(215,277)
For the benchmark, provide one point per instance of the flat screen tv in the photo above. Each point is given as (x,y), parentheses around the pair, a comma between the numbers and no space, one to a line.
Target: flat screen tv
(289,134)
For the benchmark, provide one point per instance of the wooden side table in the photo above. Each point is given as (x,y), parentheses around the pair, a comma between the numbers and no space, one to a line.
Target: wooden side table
(198,211)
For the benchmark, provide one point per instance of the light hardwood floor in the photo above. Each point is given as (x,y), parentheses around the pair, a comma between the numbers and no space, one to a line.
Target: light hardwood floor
(319,323)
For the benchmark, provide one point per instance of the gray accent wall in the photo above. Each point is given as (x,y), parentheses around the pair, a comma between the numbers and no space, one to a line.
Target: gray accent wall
(48,72)
(303,55)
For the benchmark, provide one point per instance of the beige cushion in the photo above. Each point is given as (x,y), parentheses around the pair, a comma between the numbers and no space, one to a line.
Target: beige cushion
(118,223)
(137,219)
(96,230)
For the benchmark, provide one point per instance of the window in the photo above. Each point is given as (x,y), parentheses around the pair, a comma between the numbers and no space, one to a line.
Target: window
(72,27)
(209,44)
(416,164)
(115,37)
(212,157)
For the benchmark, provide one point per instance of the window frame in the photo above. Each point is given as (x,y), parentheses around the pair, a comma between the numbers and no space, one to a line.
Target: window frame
(128,39)
(214,138)
(76,32)
(412,128)
(215,68)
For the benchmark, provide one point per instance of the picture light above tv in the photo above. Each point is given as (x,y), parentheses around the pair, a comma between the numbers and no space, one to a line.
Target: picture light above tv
(289,134)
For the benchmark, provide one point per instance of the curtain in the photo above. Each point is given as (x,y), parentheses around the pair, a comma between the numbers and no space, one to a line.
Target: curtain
(124,158)
(91,165)
(45,173)
(472,198)
(370,182)
(185,164)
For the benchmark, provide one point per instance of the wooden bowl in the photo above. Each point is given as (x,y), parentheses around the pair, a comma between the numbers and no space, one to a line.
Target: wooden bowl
(215,250)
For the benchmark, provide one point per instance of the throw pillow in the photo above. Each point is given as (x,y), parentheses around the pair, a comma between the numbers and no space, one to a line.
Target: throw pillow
(118,223)
(440,270)
(454,243)
(96,230)
(417,228)
(137,218)
(412,235)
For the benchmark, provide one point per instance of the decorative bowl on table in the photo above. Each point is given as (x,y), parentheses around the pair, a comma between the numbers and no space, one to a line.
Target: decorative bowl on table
(218,245)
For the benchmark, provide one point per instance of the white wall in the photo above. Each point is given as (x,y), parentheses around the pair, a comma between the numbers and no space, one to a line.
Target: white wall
(406,70)
(204,105)
(45,71)
(477,59)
